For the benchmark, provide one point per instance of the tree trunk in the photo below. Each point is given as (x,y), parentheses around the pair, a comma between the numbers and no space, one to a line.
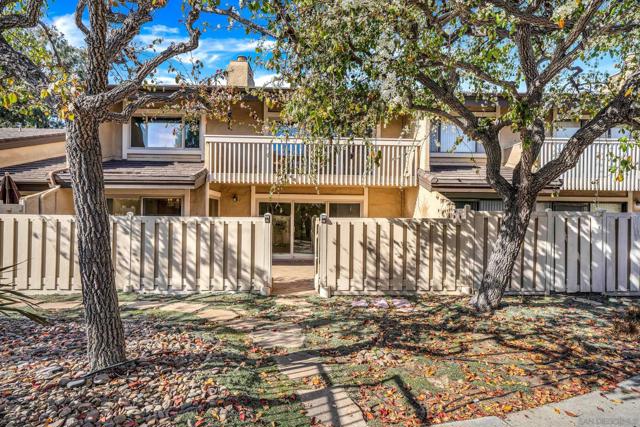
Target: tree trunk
(105,335)
(505,251)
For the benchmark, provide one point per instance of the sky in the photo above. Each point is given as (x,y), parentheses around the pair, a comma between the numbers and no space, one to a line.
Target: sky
(218,45)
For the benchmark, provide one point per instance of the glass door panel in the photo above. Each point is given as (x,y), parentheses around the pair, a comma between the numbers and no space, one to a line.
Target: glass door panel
(344,210)
(304,217)
(281,219)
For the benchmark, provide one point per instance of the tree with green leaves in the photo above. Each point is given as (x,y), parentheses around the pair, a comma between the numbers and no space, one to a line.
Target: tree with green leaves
(353,64)
(36,74)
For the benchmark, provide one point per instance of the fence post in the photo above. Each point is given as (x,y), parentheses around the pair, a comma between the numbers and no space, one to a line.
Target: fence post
(600,272)
(268,256)
(467,254)
(323,289)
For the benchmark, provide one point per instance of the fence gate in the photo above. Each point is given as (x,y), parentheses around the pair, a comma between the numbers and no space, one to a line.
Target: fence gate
(150,254)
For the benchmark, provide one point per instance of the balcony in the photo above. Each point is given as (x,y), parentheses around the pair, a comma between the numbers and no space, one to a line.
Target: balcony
(592,170)
(273,160)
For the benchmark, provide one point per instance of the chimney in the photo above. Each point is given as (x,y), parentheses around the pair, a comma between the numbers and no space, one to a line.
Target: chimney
(239,73)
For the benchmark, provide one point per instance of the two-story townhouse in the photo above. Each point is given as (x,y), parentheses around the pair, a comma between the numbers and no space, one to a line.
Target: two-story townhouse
(156,165)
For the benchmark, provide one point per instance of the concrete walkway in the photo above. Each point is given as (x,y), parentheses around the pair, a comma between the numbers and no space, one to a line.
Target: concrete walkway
(620,408)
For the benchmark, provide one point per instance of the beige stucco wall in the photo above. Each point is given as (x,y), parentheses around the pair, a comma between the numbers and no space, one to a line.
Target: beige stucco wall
(199,199)
(111,140)
(55,201)
(31,153)
(385,203)
(245,120)
(394,128)
(230,208)
(431,204)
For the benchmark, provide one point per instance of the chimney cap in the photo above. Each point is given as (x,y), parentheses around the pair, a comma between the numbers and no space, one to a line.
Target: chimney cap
(241,58)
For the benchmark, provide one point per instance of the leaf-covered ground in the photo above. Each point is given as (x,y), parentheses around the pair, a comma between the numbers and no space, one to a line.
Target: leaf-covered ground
(441,362)
(433,363)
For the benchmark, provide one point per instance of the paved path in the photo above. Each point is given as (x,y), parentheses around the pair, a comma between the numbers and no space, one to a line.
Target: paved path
(620,408)
(332,405)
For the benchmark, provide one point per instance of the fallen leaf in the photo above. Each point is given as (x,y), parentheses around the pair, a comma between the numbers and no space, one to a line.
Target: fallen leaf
(571,414)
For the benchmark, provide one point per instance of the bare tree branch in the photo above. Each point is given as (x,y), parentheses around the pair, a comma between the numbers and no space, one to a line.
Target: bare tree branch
(244,21)
(27,19)
(82,4)
(619,110)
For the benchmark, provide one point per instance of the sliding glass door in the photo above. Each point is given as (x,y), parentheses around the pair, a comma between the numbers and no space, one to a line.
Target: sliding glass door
(293,228)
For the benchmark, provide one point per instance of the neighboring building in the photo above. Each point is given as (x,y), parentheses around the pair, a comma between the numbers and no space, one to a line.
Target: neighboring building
(155,165)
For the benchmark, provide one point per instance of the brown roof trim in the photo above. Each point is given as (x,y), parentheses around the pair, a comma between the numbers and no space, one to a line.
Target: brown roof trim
(31,140)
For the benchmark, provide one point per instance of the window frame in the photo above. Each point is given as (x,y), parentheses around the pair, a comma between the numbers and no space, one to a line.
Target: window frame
(435,134)
(127,127)
(141,200)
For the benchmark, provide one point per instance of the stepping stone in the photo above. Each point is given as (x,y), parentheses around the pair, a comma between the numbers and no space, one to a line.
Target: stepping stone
(332,406)
(219,315)
(141,305)
(65,305)
(182,307)
(296,302)
(300,365)
(271,337)
(248,325)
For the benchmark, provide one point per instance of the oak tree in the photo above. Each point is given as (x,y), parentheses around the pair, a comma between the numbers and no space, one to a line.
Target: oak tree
(114,83)
(352,64)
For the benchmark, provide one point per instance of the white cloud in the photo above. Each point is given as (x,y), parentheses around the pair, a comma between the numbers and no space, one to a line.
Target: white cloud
(66,24)
(209,50)
(269,80)
(163,29)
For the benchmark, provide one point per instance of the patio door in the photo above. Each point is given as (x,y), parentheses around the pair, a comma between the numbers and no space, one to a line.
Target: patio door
(293,231)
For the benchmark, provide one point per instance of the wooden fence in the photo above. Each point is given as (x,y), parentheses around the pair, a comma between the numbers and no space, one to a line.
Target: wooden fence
(150,254)
(563,252)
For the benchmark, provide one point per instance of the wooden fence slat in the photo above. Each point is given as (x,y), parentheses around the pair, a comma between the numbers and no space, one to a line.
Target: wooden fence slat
(164,256)
(76,279)
(149,250)
(64,260)
(451,256)
(332,248)
(598,271)
(37,252)
(371,256)
(572,255)
(176,263)
(385,252)
(191,257)
(634,256)
(610,249)
(541,249)
(585,253)
(397,252)
(23,259)
(528,258)
(204,254)
(51,253)
(359,253)
(438,256)
(245,257)
(623,253)
(344,255)
(559,252)
(411,264)
(231,255)
(218,248)
(424,279)
(8,254)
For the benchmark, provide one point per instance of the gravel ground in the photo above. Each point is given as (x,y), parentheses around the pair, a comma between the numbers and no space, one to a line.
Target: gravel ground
(41,377)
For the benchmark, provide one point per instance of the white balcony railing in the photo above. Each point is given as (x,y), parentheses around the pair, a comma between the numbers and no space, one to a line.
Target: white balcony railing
(272,160)
(592,170)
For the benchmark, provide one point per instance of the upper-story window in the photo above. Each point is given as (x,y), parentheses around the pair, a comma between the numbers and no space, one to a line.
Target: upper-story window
(164,132)
(449,138)
(565,129)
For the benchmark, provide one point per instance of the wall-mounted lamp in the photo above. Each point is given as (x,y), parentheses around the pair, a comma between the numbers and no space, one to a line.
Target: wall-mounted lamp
(234,198)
